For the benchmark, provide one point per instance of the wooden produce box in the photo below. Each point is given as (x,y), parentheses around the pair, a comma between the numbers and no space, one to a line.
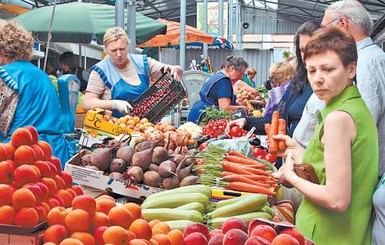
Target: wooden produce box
(17,239)
(96,129)
(97,180)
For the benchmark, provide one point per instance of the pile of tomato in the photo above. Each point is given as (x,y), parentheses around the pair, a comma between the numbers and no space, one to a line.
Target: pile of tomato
(261,153)
(215,128)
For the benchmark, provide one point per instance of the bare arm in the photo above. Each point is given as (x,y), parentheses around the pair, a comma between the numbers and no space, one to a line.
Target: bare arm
(339,132)
(92,100)
(225,103)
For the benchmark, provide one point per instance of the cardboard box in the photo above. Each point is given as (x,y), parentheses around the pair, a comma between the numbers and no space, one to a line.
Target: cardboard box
(97,180)
(96,129)
(14,239)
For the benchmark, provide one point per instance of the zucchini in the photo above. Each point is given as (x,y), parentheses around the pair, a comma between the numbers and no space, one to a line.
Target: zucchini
(246,205)
(178,224)
(203,189)
(166,214)
(247,217)
(193,206)
(229,201)
(268,210)
(175,200)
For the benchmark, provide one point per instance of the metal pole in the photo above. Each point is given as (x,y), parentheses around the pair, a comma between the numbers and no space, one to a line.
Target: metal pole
(238,24)
(119,13)
(205,27)
(220,9)
(230,33)
(182,49)
(131,23)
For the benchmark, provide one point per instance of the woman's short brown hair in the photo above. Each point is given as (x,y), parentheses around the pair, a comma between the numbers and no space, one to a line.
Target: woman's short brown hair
(15,42)
(334,39)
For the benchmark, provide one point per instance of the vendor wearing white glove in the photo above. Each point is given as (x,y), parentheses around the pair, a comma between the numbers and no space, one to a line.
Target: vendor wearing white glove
(122,76)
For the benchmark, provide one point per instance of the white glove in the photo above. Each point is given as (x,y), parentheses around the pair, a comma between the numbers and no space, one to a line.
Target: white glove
(122,106)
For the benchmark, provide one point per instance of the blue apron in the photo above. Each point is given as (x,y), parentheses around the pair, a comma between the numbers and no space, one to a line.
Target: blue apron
(38,106)
(195,114)
(120,89)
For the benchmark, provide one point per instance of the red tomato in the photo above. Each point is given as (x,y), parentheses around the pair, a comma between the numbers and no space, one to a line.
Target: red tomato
(259,153)
(203,146)
(271,158)
(236,131)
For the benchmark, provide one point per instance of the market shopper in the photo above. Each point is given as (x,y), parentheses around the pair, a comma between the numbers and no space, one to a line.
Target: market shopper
(218,90)
(28,95)
(249,77)
(69,66)
(280,74)
(122,76)
(296,95)
(343,151)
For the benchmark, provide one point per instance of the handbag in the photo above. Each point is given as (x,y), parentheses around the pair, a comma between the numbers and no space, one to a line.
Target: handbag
(306,171)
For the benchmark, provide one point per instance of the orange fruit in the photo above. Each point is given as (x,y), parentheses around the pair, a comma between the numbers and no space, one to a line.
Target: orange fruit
(137,241)
(120,216)
(141,229)
(6,172)
(99,219)
(153,242)
(84,202)
(27,217)
(67,198)
(23,198)
(10,149)
(78,220)
(162,239)
(104,205)
(153,222)
(162,226)
(21,136)
(55,234)
(7,215)
(117,235)
(105,197)
(57,215)
(134,209)
(46,149)
(156,231)
(6,193)
(71,241)
(176,237)
(24,154)
(25,174)
(85,237)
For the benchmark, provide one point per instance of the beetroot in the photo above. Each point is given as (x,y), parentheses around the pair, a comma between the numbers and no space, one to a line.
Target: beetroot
(166,168)
(152,178)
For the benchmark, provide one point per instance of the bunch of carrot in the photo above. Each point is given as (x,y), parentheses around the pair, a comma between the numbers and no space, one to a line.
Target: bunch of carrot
(277,126)
(236,172)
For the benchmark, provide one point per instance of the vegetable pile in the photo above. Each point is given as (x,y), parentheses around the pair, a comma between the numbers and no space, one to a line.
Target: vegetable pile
(235,171)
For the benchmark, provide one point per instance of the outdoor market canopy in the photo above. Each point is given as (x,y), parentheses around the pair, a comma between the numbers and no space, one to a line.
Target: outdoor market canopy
(172,36)
(80,22)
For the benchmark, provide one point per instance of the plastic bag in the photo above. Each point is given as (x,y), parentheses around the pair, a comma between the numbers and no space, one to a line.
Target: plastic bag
(240,145)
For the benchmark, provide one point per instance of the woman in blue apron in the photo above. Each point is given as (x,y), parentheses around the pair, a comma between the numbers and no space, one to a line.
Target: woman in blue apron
(122,76)
(218,90)
(28,95)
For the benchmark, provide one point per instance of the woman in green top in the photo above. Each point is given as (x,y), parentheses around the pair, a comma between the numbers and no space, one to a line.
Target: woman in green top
(343,149)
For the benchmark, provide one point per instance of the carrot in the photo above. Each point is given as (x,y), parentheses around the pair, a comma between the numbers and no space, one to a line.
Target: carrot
(242,178)
(281,130)
(267,129)
(225,173)
(238,154)
(241,186)
(273,146)
(256,177)
(239,168)
(245,161)
(231,167)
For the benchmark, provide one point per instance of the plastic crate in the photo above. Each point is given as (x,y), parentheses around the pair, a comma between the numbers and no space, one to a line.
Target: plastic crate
(169,91)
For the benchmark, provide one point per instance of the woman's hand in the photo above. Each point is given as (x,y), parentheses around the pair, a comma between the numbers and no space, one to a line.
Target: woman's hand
(291,146)
(175,71)
(241,122)
(122,106)
(286,171)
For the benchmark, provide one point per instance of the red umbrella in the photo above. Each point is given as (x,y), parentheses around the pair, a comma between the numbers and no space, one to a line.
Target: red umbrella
(172,36)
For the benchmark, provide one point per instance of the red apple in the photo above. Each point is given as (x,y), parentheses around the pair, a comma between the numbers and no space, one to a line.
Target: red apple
(215,232)
(234,223)
(217,239)
(295,233)
(265,231)
(257,240)
(195,238)
(196,227)
(235,237)
(284,239)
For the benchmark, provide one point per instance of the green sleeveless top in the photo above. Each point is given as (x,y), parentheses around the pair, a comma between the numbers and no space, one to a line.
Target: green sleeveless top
(353,226)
